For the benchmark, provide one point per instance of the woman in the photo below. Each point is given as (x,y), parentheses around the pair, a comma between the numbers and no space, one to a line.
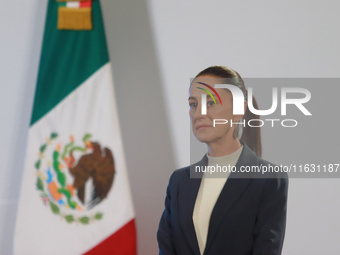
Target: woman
(239,213)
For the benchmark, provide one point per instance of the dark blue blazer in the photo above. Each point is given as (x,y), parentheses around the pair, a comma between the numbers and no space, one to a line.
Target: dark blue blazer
(249,217)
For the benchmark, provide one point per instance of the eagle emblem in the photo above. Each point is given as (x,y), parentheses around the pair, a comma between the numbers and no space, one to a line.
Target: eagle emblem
(73,178)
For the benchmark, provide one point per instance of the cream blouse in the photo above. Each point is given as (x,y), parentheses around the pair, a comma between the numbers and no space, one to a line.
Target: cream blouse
(208,194)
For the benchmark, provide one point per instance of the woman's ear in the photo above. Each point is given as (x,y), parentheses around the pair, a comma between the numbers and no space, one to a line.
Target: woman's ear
(245,107)
(240,116)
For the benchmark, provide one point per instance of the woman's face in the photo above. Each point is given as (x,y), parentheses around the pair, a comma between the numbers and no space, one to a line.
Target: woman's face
(203,125)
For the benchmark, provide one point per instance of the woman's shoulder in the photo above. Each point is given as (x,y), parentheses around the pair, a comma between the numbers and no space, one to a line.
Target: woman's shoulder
(180,173)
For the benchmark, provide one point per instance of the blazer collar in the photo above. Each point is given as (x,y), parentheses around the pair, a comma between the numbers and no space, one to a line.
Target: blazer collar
(234,187)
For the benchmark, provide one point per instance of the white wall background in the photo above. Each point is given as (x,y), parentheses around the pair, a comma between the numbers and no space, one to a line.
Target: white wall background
(21,33)
(256,38)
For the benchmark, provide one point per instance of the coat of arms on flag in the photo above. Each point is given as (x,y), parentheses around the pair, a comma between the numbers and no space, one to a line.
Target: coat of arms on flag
(74,178)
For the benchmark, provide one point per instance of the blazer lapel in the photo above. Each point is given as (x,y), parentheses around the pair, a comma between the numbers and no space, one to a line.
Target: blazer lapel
(188,191)
(233,189)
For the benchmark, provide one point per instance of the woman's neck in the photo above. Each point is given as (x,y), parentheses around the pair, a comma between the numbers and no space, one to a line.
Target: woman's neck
(222,148)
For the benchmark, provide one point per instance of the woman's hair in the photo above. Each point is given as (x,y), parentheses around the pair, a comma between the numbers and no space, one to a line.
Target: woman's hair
(250,135)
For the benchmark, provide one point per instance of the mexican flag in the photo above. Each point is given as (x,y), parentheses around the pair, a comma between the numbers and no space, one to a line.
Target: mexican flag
(75,195)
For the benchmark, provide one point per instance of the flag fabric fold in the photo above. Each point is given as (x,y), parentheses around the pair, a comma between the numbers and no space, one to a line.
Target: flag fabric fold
(75,195)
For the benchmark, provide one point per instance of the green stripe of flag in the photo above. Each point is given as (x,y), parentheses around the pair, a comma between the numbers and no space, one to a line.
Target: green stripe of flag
(68,58)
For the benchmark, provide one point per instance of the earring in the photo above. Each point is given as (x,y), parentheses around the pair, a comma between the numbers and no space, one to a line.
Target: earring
(235,134)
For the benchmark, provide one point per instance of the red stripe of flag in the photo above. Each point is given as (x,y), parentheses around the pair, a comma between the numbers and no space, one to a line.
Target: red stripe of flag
(122,242)
(86,4)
